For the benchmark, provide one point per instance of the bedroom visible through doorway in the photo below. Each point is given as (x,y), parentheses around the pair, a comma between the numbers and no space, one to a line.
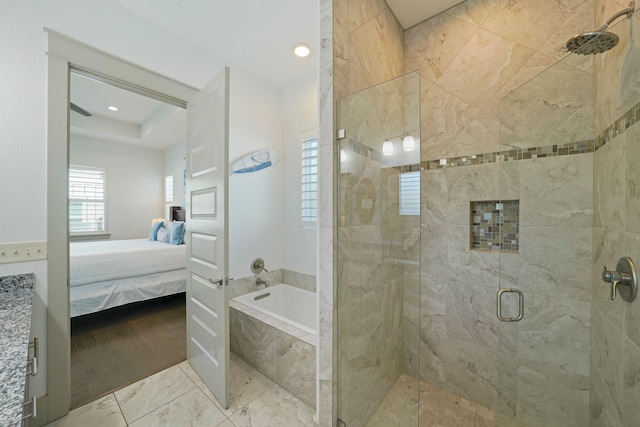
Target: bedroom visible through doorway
(127,263)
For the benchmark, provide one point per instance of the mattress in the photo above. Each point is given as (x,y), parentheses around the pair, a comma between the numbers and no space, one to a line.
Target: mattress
(100,296)
(108,260)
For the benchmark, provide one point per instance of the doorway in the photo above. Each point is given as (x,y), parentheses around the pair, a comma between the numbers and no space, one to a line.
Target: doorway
(127,157)
(64,54)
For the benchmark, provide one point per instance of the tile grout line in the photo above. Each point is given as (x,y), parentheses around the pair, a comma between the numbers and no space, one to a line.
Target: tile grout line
(209,399)
(164,404)
(126,423)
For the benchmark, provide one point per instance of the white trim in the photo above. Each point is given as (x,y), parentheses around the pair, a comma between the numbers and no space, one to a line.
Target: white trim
(102,65)
(64,53)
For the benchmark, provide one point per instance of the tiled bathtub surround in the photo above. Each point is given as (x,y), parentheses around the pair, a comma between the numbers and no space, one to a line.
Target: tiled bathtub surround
(15,326)
(270,345)
(494,225)
(244,285)
(281,352)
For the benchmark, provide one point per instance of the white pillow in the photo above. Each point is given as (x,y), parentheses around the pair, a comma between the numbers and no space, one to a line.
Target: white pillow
(164,235)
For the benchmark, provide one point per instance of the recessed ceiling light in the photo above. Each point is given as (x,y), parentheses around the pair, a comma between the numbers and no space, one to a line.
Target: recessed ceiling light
(302,50)
(112,108)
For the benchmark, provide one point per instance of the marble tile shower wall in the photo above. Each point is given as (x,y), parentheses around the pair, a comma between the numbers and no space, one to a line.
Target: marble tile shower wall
(615,347)
(372,256)
(491,84)
(469,58)
(362,47)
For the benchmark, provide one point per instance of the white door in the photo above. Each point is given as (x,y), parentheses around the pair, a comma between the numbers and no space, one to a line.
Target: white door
(207,235)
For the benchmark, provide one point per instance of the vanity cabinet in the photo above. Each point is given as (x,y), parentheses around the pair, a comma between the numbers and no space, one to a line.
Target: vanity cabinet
(18,354)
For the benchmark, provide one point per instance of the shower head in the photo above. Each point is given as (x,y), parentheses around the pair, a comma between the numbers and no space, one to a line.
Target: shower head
(592,42)
(598,40)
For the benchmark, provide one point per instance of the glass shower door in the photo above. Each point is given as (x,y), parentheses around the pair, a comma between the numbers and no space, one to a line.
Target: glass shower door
(545,248)
(378,254)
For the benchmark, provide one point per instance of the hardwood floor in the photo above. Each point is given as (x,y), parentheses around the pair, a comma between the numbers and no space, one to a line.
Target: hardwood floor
(119,346)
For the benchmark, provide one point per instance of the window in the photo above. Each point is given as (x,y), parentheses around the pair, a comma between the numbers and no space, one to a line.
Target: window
(168,189)
(309,189)
(87,200)
(410,193)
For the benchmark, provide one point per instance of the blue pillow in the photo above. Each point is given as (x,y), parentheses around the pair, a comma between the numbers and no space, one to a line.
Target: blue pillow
(177,233)
(153,235)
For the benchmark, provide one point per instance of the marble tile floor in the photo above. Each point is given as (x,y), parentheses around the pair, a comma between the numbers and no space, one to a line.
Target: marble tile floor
(412,402)
(177,397)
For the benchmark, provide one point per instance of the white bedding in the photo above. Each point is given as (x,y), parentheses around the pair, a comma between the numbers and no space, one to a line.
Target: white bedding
(106,260)
(100,296)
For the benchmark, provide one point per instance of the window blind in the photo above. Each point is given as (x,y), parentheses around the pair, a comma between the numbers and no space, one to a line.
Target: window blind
(168,188)
(410,193)
(309,190)
(86,200)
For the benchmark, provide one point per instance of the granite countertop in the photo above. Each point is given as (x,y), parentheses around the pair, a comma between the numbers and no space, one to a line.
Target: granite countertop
(15,326)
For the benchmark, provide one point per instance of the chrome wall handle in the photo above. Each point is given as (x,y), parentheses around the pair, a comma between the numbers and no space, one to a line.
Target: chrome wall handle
(624,280)
(34,345)
(32,367)
(34,409)
(520,315)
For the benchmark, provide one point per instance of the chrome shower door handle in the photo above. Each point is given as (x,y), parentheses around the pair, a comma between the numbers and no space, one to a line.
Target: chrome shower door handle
(520,315)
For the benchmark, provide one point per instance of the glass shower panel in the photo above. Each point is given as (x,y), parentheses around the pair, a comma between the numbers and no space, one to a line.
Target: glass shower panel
(378,254)
(545,164)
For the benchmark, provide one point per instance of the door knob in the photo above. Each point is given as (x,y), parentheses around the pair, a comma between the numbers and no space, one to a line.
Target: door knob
(218,282)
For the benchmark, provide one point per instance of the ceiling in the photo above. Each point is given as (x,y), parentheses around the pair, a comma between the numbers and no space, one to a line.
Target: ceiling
(412,12)
(140,121)
(254,36)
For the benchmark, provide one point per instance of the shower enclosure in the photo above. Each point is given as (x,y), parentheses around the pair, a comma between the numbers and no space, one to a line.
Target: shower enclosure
(465,263)
(378,247)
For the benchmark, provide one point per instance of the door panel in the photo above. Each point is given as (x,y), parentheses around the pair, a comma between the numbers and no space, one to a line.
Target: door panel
(204,203)
(207,235)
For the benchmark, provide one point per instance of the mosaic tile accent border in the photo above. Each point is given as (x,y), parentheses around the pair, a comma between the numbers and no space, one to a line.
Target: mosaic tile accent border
(624,122)
(495,225)
(580,147)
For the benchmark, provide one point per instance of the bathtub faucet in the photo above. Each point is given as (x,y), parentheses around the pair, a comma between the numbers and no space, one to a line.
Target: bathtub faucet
(259,282)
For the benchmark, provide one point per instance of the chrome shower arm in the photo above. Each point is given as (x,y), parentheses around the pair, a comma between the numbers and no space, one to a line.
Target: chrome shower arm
(628,11)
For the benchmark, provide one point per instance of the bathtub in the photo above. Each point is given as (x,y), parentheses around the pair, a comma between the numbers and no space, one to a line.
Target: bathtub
(274,330)
(288,304)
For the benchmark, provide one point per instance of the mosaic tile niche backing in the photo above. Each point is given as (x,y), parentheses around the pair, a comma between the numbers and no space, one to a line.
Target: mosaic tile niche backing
(494,225)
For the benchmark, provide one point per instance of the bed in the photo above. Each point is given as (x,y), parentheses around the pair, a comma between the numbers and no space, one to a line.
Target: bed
(110,273)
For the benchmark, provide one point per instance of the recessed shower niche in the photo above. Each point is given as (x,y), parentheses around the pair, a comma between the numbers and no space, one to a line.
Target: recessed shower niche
(495,225)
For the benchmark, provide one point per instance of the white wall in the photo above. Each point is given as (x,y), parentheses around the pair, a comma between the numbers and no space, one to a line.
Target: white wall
(23,77)
(300,114)
(256,122)
(175,164)
(135,183)
(255,199)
